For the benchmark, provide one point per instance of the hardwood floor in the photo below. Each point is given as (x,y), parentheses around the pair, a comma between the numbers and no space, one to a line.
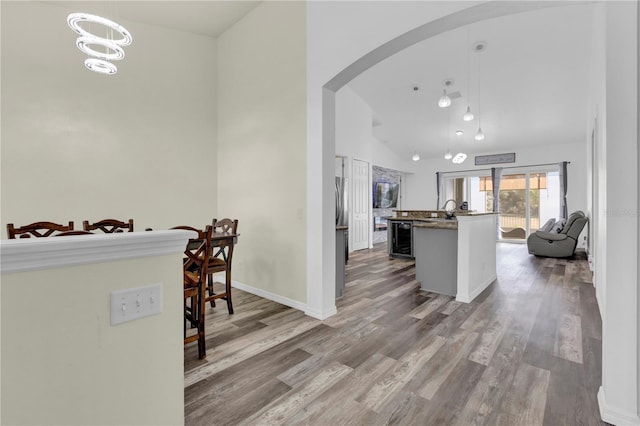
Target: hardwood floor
(527,351)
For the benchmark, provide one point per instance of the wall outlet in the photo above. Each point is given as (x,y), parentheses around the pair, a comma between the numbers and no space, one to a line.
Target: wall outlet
(433,214)
(135,303)
(405,214)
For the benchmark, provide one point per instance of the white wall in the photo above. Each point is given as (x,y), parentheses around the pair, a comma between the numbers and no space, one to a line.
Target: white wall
(77,145)
(64,364)
(262,155)
(354,139)
(619,394)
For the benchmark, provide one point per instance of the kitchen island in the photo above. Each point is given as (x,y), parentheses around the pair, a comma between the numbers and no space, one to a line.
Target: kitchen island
(456,257)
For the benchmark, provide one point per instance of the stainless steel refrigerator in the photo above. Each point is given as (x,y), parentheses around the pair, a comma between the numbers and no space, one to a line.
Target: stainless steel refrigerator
(342,210)
(342,218)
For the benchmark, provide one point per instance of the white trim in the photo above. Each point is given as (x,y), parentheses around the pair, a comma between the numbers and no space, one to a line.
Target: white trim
(32,254)
(613,416)
(314,313)
(271,296)
(468,298)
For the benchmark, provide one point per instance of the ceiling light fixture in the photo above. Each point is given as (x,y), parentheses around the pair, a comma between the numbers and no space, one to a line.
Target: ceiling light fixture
(479,47)
(448,155)
(459,158)
(445,100)
(468,116)
(416,156)
(98,60)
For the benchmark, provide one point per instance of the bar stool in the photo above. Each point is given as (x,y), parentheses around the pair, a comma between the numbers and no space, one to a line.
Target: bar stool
(220,261)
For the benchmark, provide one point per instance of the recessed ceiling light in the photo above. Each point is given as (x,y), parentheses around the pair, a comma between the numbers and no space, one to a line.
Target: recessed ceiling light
(479,47)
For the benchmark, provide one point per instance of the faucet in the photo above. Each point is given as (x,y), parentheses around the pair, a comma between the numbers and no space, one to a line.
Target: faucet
(450,213)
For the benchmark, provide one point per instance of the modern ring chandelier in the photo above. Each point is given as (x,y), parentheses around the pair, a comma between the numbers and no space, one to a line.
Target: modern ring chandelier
(98,61)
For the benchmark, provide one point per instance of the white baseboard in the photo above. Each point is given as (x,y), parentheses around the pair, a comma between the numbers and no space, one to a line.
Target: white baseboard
(468,298)
(271,296)
(614,416)
(317,314)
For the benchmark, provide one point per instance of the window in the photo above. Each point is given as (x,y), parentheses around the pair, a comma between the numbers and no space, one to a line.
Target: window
(528,198)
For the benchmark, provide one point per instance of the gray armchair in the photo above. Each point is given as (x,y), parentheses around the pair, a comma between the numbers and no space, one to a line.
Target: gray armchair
(558,244)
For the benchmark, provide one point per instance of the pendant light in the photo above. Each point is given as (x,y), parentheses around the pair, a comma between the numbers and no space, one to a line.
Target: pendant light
(416,156)
(445,100)
(479,47)
(468,116)
(98,61)
(461,156)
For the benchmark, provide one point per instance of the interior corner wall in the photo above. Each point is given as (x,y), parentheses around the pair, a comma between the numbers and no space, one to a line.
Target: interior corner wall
(262,157)
(619,397)
(597,154)
(78,145)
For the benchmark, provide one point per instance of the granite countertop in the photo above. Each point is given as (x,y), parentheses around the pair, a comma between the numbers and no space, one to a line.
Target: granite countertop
(436,223)
(342,228)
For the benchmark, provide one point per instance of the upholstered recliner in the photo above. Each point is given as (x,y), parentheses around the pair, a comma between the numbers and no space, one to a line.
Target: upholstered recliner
(558,242)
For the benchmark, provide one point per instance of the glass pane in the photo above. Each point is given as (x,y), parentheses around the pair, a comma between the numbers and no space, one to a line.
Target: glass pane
(549,199)
(513,207)
(537,184)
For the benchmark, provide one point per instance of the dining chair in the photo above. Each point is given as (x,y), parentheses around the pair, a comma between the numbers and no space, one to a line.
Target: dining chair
(194,271)
(220,261)
(71,233)
(37,229)
(109,226)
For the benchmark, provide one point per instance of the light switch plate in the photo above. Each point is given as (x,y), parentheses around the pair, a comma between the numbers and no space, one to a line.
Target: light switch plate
(135,303)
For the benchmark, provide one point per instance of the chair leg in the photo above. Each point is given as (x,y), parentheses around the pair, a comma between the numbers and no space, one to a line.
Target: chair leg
(202,350)
(210,289)
(228,290)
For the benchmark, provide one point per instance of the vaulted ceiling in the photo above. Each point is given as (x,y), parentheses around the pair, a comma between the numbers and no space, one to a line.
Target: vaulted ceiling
(529,87)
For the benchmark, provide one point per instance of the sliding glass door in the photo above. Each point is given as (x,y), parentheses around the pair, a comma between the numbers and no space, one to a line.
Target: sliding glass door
(527,201)
(528,198)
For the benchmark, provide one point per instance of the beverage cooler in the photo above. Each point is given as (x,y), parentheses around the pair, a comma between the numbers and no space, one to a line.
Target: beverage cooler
(401,238)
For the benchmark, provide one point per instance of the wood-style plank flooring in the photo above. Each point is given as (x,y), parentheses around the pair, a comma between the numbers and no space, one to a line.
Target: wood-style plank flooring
(527,351)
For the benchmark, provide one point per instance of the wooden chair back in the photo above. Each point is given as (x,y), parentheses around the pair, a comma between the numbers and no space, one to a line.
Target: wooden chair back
(194,275)
(37,229)
(109,226)
(71,233)
(220,261)
(224,226)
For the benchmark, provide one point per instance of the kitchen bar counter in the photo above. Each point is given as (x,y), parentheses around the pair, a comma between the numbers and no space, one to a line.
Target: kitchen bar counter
(455,257)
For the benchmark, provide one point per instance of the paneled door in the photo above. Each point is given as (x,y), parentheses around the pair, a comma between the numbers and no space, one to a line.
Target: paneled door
(360,225)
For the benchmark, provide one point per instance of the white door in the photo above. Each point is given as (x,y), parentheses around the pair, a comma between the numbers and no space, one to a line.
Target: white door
(359,229)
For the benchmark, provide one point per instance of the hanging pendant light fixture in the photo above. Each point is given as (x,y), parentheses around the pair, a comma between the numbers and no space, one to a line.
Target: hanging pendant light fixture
(98,61)
(461,156)
(445,100)
(468,116)
(479,47)
(416,156)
